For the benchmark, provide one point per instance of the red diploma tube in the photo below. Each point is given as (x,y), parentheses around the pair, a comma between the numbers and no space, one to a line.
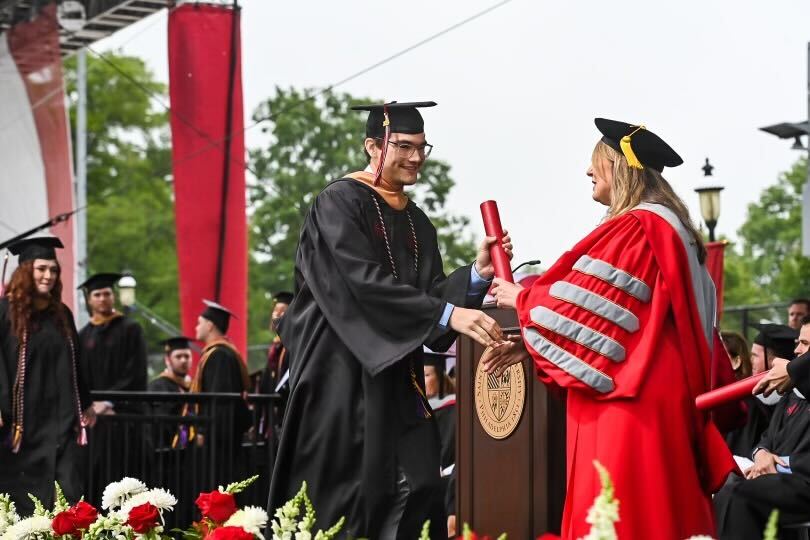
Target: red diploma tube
(492,226)
(726,394)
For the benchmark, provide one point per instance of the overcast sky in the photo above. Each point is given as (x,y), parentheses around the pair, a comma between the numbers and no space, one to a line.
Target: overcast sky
(518,89)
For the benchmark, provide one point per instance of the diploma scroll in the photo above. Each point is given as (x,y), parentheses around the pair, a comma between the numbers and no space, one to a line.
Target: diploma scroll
(492,226)
(728,393)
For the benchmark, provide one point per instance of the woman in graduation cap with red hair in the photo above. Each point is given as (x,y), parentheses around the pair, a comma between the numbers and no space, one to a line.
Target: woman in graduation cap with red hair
(42,390)
(625,323)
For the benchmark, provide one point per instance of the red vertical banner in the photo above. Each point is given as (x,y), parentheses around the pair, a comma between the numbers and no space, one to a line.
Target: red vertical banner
(714,264)
(34,48)
(208,153)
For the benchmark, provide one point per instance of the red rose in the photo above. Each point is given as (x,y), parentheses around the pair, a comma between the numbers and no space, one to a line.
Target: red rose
(143,518)
(217,506)
(84,515)
(229,533)
(62,524)
(78,517)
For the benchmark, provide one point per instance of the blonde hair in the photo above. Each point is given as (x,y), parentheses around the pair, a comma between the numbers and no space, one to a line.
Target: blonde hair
(633,186)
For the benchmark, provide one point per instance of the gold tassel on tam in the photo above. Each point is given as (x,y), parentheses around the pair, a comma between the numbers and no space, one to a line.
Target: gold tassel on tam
(627,150)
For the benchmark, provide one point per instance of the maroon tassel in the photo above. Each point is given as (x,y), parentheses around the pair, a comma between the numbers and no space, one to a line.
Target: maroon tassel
(82,440)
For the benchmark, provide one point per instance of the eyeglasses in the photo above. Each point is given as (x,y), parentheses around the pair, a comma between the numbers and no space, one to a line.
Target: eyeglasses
(407,150)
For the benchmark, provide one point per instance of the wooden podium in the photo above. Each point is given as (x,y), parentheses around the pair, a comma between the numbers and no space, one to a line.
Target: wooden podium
(514,483)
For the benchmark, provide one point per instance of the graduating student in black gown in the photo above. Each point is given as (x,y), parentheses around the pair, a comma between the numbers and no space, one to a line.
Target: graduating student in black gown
(772,342)
(42,390)
(370,290)
(174,379)
(113,353)
(780,476)
(113,345)
(221,370)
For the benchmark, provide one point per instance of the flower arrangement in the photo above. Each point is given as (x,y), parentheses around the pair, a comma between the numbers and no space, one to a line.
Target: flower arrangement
(135,512)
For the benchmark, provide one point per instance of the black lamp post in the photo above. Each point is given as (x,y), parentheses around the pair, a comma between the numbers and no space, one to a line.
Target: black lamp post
(709,194)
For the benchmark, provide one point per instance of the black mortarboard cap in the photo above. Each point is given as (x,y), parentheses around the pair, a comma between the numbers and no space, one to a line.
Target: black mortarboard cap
(99,281)
(404,117)
(640,146)
(43,247)
(440,360)
(176,343)
(217,314)
(283,297)
(781,339)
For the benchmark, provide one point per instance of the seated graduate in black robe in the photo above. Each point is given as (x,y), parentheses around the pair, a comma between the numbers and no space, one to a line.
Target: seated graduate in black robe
(221,370)
(370,291)
(773,341)
(780,477)
(173,379)
(41,426)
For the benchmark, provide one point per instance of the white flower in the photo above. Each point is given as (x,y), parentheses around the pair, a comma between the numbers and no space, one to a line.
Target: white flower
(116,493)
(700,537)
(159,498)
(8,513)
(37,525)
(251,518)
(303,535)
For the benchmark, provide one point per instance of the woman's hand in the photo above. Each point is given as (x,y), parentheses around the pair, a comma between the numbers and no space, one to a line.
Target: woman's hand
(505,293)
(483,263)
(498,357)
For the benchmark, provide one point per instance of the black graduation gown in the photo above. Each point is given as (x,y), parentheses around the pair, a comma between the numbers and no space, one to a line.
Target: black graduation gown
(273,373)
(49,451)
(743,506)
(167,429)
(799,372)
(114,354)
(354,336)
(222,373)
(742,440)
(446,421)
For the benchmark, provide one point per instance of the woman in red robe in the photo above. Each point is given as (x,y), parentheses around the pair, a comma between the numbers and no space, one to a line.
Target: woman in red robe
(625,323)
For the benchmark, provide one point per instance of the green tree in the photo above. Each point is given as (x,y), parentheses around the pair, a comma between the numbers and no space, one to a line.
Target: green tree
(130,214)
(766,265)
(313,141)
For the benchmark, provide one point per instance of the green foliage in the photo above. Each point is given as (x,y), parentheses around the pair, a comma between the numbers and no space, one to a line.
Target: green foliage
(313,141)
(767,265)
(39,508)
(239,487)
(61,503)
(130,215)
(772,528)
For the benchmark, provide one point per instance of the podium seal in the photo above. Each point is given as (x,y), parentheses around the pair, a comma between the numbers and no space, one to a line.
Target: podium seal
(499,401)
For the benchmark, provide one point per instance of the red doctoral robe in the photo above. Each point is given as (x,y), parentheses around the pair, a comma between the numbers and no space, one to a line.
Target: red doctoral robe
(623,322)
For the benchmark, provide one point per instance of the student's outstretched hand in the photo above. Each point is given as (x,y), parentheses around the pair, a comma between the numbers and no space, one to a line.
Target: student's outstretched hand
(476,324)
